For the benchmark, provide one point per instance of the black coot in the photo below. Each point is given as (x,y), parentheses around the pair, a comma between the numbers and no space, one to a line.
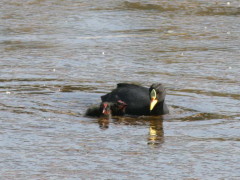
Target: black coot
(107,109)
(140,100)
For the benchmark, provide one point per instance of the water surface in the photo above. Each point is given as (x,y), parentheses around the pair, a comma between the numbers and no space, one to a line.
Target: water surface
(58,57)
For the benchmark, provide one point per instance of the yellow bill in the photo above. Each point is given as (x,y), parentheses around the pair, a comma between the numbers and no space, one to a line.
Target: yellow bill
(152,104)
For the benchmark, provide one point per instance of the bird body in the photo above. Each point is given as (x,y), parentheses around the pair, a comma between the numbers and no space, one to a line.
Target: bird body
(94,110)
(138,99)
(107,109)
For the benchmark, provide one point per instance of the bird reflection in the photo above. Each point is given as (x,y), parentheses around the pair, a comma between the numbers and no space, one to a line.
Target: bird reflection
(155,124)
(104,122)
(156,133)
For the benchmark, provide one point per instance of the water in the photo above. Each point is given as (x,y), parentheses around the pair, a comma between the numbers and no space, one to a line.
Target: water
(58,57)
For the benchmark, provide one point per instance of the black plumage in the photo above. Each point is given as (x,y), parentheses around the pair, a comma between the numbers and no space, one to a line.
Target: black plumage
(107,109)
(138,98)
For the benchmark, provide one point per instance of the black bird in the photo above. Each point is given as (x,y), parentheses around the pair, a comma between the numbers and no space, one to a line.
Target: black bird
(140,100)
(107,109)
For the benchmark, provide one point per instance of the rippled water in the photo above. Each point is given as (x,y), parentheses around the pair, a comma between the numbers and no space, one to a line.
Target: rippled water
(58,57)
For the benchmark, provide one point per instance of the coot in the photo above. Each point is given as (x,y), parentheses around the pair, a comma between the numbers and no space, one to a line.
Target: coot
(140,100)
(107,109)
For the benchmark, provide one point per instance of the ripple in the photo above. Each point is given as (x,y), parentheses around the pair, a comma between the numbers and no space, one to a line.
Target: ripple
(16,45)
(188,8)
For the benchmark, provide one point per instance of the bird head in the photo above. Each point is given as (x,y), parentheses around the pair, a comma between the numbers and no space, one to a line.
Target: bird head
(106,108)
(113,108)
(157,94)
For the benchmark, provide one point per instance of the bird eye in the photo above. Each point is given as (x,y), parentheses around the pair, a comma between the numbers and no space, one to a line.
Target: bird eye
(153,94)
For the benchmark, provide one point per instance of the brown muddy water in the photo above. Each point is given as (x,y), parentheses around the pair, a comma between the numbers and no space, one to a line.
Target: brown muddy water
(58,57)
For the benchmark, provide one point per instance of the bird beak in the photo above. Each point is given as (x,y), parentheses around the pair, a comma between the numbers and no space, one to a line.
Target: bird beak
(105,110)
(153,103)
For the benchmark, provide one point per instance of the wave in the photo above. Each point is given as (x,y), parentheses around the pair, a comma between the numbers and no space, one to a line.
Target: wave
(185,8)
